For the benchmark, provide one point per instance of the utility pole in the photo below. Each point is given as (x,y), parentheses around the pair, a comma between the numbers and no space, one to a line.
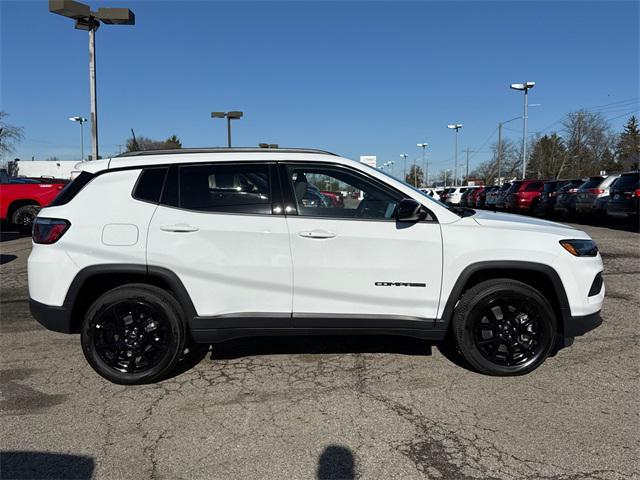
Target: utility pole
(499,152)
(467,175)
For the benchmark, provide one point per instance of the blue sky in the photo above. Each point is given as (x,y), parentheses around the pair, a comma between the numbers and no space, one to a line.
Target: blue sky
(356,78)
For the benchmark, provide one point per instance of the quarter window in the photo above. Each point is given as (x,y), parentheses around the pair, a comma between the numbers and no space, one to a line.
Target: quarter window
(150,183)
(326,191)
(226,188)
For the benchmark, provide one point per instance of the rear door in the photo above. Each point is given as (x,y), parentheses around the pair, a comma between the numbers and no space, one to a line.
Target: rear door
(220,228)
(354,265)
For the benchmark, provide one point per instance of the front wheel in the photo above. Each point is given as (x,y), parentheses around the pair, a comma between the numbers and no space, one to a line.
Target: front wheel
(504,327)
(134,334)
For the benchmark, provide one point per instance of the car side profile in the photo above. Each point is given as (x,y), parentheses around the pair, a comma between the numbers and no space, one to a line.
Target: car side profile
(188,248)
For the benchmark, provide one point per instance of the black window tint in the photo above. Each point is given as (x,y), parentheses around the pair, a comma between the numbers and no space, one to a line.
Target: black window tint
(550,187)
(72,189)
(593,182)
(150,183)
(327,191)
(626,181)
(533,187)
(226,188)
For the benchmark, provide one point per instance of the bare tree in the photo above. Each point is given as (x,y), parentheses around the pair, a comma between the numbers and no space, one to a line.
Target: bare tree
(415,176)
(509,164)
(590,143)
(9,135)
(145,143)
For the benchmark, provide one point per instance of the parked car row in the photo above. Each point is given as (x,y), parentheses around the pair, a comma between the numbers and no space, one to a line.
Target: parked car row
(600,195)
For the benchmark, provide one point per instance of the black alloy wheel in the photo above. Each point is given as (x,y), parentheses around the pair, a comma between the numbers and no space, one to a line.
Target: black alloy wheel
(504,327)
(134,334)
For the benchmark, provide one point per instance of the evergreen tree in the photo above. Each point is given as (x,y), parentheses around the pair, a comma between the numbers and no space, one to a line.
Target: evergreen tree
(628,148)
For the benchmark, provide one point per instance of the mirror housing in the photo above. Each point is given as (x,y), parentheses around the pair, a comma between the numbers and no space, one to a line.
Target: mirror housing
(410,210)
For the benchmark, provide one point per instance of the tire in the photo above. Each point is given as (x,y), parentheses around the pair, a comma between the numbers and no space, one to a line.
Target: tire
(134,334)
(502,344)
(23,217)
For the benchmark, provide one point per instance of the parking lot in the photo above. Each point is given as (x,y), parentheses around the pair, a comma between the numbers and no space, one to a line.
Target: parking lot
(343,407)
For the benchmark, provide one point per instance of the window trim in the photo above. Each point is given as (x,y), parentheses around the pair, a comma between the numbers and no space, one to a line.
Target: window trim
(289,195)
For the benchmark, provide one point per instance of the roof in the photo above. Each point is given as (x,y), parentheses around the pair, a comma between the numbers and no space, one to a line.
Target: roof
(223,150)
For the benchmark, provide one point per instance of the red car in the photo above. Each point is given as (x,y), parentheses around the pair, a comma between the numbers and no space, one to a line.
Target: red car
(472,199)
(522,194)
(21,199)
(335,199)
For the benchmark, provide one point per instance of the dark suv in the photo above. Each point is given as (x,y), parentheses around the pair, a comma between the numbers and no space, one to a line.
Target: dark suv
(566,198)
(624,196)
(502,196)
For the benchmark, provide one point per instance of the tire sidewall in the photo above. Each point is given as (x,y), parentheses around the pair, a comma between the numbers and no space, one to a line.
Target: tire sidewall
(159,300)
(465,317)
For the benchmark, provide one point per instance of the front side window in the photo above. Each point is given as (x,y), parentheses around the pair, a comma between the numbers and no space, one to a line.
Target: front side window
(226,188)
(326,191)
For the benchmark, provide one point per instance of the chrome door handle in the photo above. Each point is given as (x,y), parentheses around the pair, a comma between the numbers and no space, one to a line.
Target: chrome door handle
(181,227)
(316,234)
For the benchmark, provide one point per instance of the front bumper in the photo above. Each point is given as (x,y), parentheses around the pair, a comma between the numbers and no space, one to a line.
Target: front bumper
(576,326)
(57,319)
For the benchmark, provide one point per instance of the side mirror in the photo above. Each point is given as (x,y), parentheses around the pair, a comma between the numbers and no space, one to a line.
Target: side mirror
(410,210)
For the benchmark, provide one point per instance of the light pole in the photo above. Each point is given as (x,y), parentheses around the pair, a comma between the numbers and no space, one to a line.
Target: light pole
(404,159)
(525,87)
(424,145)
(81,121)
(85,19)
(233,115)
(456,127)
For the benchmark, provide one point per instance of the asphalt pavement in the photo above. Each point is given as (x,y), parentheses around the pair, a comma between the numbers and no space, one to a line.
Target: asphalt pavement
(323,407)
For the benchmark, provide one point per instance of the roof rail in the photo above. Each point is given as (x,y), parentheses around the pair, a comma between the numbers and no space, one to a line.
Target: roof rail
(222,150)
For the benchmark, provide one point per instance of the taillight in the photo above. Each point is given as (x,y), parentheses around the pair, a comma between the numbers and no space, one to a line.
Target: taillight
(637,193)
(597,191)
(49,230)
(572,190)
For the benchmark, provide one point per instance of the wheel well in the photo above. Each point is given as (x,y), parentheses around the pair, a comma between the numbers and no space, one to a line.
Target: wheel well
(100,283)
(13,206)
(536,279)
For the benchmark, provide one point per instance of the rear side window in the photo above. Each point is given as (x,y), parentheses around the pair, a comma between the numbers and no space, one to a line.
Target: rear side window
(593,182)
(72,189)
(515,186)
(627,181)
(150,184)
(226,188)
(533,187)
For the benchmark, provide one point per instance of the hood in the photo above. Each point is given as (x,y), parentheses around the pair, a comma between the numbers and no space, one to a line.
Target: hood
(520,222)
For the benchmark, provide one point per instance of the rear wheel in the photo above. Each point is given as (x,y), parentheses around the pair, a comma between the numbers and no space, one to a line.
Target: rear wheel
(134,334)
(23,217)
(504,327)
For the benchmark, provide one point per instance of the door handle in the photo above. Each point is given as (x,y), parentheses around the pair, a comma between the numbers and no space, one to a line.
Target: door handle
(316,234)
(180,227)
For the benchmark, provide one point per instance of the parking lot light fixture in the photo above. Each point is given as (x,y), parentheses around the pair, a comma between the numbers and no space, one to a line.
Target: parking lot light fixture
(525,87)
(81,121)
(425,179)
(456,127)
(404,163)
(85,19)
(233,115)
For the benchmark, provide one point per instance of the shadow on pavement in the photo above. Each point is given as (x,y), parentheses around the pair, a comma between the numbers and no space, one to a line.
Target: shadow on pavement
(336,462)
(8,233)
(7,258)
(44,465)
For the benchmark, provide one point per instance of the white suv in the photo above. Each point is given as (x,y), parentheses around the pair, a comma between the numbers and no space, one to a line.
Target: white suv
(149,254)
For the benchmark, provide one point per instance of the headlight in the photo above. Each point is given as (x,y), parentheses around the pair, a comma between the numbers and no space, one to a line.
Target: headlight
(580,248)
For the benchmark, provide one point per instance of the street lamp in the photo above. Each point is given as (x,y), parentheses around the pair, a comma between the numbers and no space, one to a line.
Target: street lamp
(456,127)
(404,159)
(424,165)
(525,87)
(85,19)
(234,115)
(81,121)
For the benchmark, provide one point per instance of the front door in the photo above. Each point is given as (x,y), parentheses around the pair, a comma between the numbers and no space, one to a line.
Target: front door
(353,264)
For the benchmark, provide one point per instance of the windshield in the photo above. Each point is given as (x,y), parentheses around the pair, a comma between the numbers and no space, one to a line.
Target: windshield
(455,210)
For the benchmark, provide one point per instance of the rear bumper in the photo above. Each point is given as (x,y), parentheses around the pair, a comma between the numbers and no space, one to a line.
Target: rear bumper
(576,326)
(57,319)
